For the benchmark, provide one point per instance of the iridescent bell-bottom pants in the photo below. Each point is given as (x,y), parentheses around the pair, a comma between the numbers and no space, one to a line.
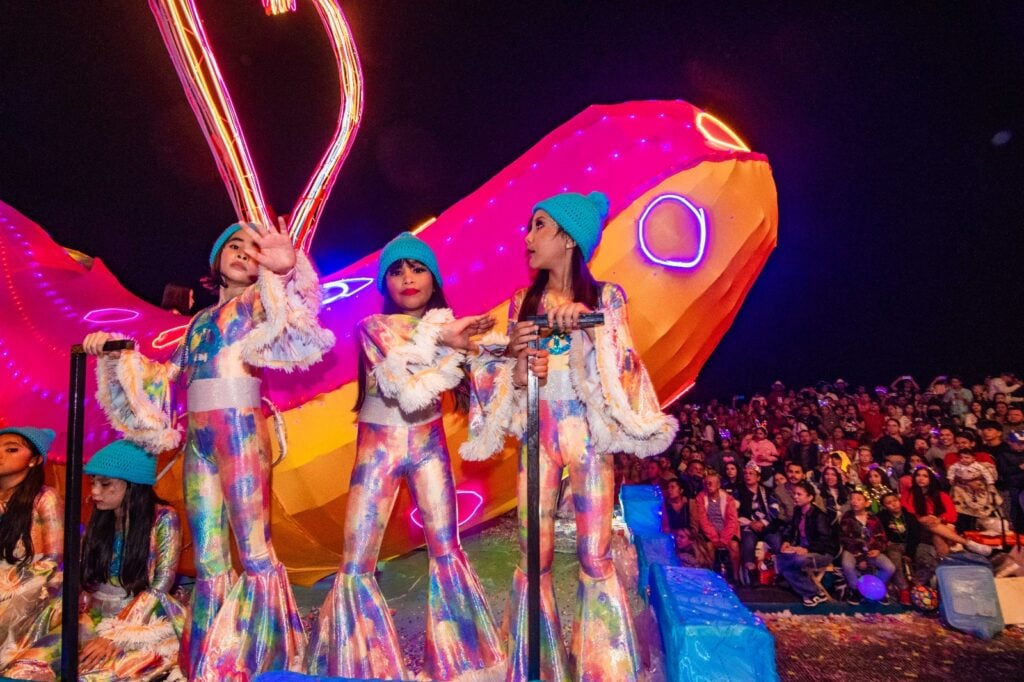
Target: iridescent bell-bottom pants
(603,643)
(240,625)
(355,636)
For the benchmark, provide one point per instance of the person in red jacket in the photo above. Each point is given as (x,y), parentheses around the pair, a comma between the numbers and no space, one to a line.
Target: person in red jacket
(716,516)
(935,510)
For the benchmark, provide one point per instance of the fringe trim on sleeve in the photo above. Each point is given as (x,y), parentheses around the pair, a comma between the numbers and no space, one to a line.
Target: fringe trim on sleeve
(503,415)
(141,416)
(614,425)
(290,337)
(417,372)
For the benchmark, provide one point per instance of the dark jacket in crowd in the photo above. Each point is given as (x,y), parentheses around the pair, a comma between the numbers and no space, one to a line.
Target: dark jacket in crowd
(860,538)
(1008,465)
(821,539)
(904,529)
(759,506)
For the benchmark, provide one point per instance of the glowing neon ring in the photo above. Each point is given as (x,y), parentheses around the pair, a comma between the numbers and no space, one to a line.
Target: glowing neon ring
(169,337)
(110,315)
(414,515)
(702,222)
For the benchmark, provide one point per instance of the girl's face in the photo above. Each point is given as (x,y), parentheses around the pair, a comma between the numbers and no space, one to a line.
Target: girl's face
(235,266)
(547,246)
(830,478)
(922,478)
(108,493)
(16,457)
(874,478)
(410,285)
(731,471)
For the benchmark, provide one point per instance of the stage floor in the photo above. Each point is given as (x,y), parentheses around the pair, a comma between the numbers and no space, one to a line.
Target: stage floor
(841,643)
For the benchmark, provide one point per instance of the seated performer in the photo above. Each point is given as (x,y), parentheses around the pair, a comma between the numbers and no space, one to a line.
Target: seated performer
(31,537)
(410,355)
(130,625)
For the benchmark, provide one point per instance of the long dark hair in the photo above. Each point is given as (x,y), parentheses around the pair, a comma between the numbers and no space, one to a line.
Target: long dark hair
(17,518)
(138,511)
(437,300)
(585,289)
(932,492)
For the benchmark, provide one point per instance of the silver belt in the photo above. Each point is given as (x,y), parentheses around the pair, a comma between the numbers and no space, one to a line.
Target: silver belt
(205,395)
(378,410)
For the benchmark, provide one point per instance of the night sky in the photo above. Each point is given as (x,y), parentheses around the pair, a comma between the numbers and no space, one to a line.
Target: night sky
(896,137)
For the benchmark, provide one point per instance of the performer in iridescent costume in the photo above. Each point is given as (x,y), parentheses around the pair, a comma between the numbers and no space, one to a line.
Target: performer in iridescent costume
(267,317)
(31,537)
(409,356)
(597,400)
(130,625)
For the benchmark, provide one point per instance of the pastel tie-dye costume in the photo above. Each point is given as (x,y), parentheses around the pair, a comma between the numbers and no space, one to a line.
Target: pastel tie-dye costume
(597,400)
(246,624)
(401,435)
(146,627)
(26,588)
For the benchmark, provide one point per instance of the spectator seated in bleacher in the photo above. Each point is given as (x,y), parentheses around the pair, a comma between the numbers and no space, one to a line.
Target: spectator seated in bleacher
(876,484)
(716,518)
(808,542)
(758,517)
(835,493)
(906,545)
(935,510)
(794,475)
(863,540)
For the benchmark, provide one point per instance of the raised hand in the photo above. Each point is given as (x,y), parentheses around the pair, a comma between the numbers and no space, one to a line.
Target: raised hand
(456,334)
(273,247)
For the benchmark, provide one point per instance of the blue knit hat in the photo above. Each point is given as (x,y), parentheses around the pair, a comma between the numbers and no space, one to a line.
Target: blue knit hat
(222,240)
(406,246)
(41,439)
(124,460)
(581,216)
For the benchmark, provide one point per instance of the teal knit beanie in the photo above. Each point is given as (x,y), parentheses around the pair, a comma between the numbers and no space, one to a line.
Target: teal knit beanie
(124,460)
(406,246)
(41,439)
(581,216)
(222,240)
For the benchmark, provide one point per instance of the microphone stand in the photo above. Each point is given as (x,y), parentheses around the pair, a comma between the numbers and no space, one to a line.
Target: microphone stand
(533,499)
(73,507)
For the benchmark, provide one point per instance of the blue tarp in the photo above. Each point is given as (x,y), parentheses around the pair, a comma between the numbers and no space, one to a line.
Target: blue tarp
(650,551)
(642,508)
(709,636)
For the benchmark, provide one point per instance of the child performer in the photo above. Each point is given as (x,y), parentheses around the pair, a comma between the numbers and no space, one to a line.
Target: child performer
(597,400)
(31,537)
(266,317)
(410,355)
(130,625)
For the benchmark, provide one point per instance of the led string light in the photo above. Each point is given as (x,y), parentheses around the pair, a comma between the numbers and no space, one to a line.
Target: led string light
(477,501)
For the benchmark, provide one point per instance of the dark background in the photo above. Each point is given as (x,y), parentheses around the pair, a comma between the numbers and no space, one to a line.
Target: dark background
(895,136)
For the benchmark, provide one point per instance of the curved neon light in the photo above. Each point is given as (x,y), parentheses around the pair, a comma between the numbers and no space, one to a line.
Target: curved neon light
(478,502)
(702,241)
(110,315)
(345,288)
(734,142)
(185,37)
(169,337)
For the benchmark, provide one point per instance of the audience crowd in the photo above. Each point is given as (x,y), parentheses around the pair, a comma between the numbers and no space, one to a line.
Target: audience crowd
(794,483)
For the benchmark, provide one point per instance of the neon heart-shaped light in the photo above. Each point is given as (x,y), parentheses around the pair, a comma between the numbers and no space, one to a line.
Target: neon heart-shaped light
(186,40)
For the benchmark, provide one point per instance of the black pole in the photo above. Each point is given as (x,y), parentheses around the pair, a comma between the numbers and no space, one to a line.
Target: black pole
(533,501)
(533,523)
(73,508)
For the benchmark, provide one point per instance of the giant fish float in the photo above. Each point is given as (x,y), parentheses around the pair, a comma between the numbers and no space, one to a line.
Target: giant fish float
(693,219)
